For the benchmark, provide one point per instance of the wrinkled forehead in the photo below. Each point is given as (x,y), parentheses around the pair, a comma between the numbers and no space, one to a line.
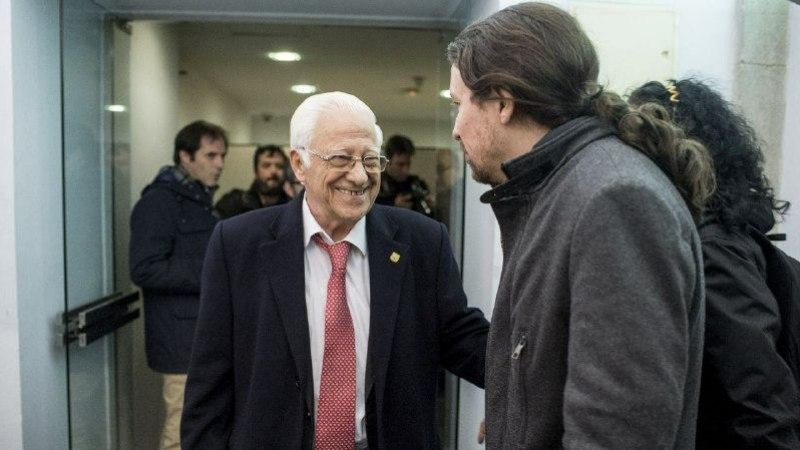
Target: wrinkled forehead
(338,129)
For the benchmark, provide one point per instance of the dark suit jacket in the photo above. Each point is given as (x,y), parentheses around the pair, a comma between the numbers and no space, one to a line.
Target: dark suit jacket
(250,383)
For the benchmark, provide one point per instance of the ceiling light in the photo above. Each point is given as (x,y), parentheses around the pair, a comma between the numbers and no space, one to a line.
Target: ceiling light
(445,94)
(116,108)
(304,88)
(284,56)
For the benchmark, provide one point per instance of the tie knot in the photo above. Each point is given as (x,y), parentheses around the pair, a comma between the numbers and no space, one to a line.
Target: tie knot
(338,252)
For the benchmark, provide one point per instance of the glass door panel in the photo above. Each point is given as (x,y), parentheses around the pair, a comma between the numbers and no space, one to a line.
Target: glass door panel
(88,217)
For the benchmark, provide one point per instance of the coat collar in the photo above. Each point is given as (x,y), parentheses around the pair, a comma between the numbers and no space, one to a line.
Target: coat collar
(281,256)
(529,171)
(388,264)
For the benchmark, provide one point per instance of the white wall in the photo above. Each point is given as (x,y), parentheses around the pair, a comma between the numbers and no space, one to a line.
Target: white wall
(162,101)
(155,94)
(706,35)
(790,181)
(274,131)
(11,407)
(201,99)
(707,41)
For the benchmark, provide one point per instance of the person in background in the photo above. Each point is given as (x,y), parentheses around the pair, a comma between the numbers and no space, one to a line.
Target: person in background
(170,227)
(749,398)
(597,329)
(399,187)
(267,189)
(324,322)
(446,179)
(292,186)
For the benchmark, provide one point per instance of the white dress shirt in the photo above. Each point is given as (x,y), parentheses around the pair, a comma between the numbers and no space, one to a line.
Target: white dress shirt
(317,272)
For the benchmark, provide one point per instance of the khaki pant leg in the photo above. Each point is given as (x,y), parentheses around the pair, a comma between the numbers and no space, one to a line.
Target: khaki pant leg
(174,386)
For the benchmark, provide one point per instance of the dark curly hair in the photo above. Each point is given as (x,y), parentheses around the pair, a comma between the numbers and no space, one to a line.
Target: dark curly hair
(735,149)
(539,54)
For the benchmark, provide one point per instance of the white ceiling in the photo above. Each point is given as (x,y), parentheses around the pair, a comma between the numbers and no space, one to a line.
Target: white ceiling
(375,64)
(372,49)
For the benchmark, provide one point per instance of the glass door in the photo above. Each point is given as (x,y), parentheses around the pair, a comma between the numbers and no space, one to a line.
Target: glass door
(93,309)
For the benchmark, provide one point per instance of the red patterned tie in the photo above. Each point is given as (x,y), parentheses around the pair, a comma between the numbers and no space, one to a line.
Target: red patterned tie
(337,392)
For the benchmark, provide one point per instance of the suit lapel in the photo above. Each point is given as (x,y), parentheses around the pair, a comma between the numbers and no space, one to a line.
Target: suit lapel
(282,259)
(388,263)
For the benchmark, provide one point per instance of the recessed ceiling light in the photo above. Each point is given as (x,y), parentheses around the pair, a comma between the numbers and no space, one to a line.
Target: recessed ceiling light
(304,88)
(445,94)
(116,108)
(284,56)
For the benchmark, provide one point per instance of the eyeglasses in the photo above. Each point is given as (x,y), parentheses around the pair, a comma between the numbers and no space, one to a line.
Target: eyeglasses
(343,163)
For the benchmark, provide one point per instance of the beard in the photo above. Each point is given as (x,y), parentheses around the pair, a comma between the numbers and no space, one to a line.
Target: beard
(483,176)
(264,188)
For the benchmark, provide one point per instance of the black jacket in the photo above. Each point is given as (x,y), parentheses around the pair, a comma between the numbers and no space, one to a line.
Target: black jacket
(413,185)
(239,201)
(748,396)
(170,228)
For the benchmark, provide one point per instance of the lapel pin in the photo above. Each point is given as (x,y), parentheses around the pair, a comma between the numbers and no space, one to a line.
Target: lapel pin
(394,257)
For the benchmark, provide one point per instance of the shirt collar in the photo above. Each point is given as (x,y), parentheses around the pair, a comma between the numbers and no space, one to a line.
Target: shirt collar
(357,236)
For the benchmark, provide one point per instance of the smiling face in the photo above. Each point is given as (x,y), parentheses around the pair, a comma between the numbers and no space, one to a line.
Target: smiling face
(476,129)
(339,199)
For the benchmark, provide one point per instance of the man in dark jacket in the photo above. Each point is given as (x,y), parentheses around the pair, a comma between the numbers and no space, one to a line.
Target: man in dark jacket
(170,228)
(399,187)
(268,188)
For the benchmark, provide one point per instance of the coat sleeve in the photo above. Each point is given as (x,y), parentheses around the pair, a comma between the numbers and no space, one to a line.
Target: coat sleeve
(634,278)
(464,330)
(208,400)
(154,262)
(749,397)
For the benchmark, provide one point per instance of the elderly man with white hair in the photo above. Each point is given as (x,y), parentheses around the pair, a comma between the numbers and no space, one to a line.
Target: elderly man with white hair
(323,322)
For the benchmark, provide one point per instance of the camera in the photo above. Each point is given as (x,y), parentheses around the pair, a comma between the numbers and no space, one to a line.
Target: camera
(419,199)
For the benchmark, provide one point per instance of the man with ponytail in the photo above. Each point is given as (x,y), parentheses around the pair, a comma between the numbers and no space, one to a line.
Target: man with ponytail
(596,338)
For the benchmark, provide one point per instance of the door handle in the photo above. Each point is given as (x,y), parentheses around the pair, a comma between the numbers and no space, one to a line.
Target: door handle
(90,322)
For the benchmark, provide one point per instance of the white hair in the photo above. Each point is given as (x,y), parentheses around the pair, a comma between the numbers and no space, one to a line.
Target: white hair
(304,120)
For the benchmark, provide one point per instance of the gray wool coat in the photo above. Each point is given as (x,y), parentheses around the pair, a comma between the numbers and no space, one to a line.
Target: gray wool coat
(596,339)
